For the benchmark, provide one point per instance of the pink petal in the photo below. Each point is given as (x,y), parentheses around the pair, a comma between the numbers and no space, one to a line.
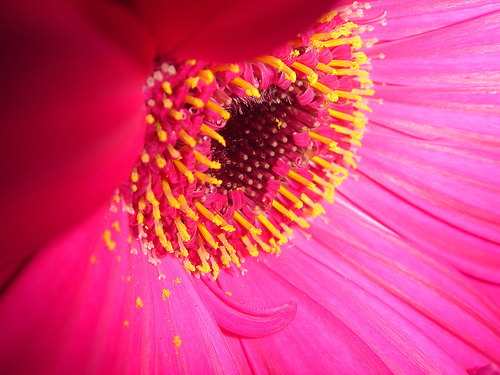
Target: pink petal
(226,30)
(71,115)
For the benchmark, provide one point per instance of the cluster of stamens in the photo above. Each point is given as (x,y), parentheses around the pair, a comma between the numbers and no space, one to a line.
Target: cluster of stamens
(237,155)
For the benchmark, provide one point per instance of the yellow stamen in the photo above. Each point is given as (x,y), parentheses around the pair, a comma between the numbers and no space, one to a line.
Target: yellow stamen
(192,82)
(187,138)
(355,41)
(206,76)
(363,92)
(325,164)
(322,139)
(321,181)
(213,134)
(218,109)
(205,212)
(181,227)
(281,238)
(278,64)
(262,244)
(205,161)
(150,196)
(183,169)
(343,130)
(224,257)
(150,119)
(215,268)
(250,89)
(245,224)
(204,177)
(300,179)
(184,252)
(252,250)
(185,207)
(222,67)
(196,102)
(206,234)
(348,95)
(160,161)
(317,208)
(289,195)
(204,256)
(168,193)
(312,77)
(344,63)
(330,94)
(352,72)
(167,87)
(289,214)
(325,68)
(226,243)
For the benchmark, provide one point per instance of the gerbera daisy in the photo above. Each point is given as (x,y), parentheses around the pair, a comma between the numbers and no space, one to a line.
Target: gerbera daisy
(376,284)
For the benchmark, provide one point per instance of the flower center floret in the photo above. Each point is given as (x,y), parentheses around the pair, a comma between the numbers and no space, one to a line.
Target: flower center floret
(237,155)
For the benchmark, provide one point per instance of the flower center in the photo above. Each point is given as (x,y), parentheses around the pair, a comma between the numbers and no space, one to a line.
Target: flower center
(237,155)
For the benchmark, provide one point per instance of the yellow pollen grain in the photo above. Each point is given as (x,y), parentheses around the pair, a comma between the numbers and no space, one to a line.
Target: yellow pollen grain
(222,67)
(206,235)
(93,259)
(184,170)
(126,323)
(139,303)
(213,134)
(252,250)
(205,161)
(185,207)
(206,76)
(206,178)
(177,342)
(107,240)
(360,57)
(181,227)
(196,102)
(301,179)
(192,82)
(247,86)
(322,139)
(312,77)
(168,193)
(176,281)
(116,226)
(165,294)
(244,223)
(167,87)
(281,239)
(191,62)
(224,224)
(187,138)
(218,109)
(289,195)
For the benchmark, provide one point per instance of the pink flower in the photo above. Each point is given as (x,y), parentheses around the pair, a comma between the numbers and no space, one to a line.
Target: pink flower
(401,277)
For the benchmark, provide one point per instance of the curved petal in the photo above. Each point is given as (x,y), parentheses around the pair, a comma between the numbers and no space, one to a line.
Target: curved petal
(226,30)
(71,115)
(85,305)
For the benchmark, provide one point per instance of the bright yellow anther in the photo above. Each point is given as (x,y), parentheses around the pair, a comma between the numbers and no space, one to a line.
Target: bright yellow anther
(330,94)
(142,204)
(205,212)
(360,57)
(247,86)
(218,109)
(185,207)
(140,218)
(281,238)
(167,87)
(187,138)
(213,134)
(347,95)
(167,103)
(160,161)
(312,77)
(222,67)
(134,176)
(363,92)
(145,157)
(162,135)
(328,17)
(215,268)
(224,257)
(196,102)
(344,63)
(330,166)
(176,115)
(181,227)
(150,196)
(156,213)
(206,76)
(204,256)
(289,214)
(245,224)
(262,244)
(168,193)
(252,250)
(150,119)
(278,64)
(226,243)
(352,72)
(184,170)
(317,208)
(188,266)
(343,130)
(205,161)
(182,249)
(325,68)
(355,41)
(206,178)
(322,139)
(300,179)
(206,235)
(236,260)
(192,82)
(289,195)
